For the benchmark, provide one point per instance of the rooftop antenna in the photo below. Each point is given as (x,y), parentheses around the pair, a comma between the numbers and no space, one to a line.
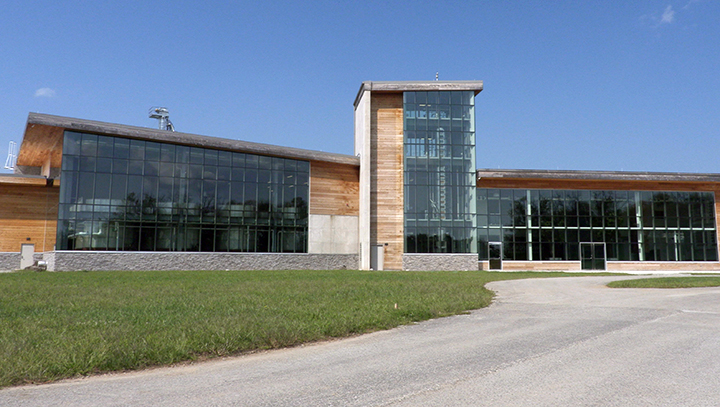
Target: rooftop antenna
(12,157)
(163,116)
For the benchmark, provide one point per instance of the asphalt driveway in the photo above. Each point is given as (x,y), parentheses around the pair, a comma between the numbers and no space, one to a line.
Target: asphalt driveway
(544,342)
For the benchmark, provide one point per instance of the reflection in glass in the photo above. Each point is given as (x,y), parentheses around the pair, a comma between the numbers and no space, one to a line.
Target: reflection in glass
(439,172)
(121,194)
(634,225)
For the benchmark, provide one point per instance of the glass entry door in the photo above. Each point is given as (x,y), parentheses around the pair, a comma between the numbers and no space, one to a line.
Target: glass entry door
(495,255)
(592,256)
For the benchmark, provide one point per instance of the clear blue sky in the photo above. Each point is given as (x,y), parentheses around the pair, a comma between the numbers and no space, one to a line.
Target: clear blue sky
(593,85)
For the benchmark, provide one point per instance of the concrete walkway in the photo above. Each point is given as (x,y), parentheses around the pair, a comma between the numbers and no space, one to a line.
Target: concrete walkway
(544,342)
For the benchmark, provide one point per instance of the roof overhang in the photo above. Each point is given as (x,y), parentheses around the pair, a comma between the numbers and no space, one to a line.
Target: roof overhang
(30,180)
(415,86)
(44,136)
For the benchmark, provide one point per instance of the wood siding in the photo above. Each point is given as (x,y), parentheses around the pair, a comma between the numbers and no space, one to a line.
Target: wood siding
(386,176)
(41,141)
(28,212)
(537,183)
(334,189)
(619,266)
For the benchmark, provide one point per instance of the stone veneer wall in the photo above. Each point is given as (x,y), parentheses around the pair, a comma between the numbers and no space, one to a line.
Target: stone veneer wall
(108,261)
(440,262)
(9,261)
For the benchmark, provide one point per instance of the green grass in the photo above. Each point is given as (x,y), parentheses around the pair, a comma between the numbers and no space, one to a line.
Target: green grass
(59,325)
(668,282)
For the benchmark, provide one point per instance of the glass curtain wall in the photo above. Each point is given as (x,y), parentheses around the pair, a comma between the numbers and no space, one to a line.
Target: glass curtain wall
(439,172)
(634,225)
(135,195)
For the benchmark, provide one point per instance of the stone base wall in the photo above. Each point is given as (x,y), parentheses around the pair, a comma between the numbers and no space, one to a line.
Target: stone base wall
(109,261)
(440,262)
(9,261)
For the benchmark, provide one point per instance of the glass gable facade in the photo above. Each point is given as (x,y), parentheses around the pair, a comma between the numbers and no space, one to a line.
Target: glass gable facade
(633,225)
(439,172)
(134,195)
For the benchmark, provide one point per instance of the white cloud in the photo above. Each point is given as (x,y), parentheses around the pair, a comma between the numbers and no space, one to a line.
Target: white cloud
(687,6)
(668,16)
(44,93)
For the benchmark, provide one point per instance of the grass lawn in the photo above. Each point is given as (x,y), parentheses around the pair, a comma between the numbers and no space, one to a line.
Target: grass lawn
(668,282)
(59,325)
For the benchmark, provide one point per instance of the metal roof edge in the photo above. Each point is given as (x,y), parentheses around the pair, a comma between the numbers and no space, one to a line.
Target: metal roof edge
(599,175)
(195,140)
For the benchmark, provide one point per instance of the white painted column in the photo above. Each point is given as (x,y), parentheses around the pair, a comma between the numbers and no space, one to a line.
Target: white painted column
(45,169)
(362,149)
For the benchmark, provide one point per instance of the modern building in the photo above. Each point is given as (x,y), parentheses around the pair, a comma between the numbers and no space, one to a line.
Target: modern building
(102,196)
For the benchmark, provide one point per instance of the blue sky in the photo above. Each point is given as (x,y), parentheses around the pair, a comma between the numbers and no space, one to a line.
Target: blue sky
(590,85)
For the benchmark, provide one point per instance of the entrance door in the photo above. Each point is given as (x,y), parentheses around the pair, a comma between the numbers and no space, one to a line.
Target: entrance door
(592,256)
(495,255)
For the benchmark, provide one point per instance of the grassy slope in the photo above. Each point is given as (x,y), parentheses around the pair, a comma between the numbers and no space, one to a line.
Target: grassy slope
(58,325)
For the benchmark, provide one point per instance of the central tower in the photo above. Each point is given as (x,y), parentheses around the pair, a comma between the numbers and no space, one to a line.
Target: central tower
(416,143)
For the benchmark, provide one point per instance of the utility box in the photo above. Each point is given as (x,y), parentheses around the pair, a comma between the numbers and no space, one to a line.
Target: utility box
(27,253)
(377,256)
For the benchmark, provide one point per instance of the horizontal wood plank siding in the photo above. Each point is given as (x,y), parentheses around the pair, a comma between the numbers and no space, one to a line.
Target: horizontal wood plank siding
(386,176)
(334,189)
(41,141)
(526,183)
(28,212)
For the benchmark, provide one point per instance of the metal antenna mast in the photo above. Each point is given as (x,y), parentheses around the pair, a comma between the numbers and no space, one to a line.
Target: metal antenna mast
(12,157)
(163,116)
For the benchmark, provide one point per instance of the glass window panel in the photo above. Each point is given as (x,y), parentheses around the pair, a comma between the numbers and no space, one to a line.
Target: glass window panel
(71,143)
(195,171)
(182,154)
(209,172)
(87,164)
(264,163)
(197,155)
(166,169)
(167,153)
(137,150)
(135,167)
(251,161)
(152,151)
(86,182)
(119,166)
(223,173)
(70,163)
(88,146)
(121,148)
(119,185)
(104,165)
(211,158)
(102,188)
(151,168)
(105,146)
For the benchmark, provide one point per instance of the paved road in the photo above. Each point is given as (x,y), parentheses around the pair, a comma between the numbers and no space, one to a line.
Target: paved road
(547,342)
